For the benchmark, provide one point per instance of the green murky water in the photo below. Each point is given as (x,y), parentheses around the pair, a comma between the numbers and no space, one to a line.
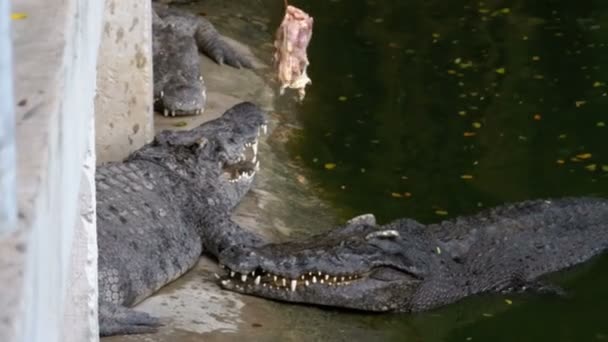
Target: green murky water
(431,109)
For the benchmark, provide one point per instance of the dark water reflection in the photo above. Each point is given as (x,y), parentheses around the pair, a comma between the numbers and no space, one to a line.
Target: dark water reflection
(432,109)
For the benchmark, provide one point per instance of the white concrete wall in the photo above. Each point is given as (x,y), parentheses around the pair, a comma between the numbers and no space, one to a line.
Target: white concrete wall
(124,99)
(48,264)
(8,174)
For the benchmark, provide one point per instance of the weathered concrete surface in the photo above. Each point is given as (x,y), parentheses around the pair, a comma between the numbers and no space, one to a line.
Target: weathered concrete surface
(80,318)
(123,105)
(55,55)
(8,170)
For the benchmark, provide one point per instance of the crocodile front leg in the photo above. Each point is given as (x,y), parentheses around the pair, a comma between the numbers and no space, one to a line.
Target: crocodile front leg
(115,319)
(211,43)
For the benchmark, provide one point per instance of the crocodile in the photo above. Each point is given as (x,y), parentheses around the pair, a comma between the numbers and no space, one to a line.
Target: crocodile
(178,36)
(167,203)
(405,266)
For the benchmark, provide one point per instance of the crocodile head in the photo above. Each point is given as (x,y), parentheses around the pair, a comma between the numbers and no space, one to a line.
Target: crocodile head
(220,155)
(178,83)
(357,266)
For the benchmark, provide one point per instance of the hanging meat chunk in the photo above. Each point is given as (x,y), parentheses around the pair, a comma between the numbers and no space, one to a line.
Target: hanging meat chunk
(290,57)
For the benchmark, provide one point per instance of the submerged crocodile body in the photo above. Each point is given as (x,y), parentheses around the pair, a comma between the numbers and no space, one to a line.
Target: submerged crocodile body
(166,204)
(178,36)
(405,266)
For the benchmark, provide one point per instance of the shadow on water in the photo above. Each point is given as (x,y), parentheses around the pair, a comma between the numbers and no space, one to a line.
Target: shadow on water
(431,109)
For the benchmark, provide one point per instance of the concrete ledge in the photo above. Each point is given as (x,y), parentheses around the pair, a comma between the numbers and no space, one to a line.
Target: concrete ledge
(123,112)
(55,54)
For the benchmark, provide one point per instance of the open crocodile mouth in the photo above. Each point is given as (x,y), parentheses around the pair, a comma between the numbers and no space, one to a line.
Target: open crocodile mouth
(379,289)
(247,164)
(265,279)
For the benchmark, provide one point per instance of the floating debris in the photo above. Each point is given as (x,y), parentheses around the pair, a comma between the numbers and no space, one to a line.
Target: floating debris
(330,166)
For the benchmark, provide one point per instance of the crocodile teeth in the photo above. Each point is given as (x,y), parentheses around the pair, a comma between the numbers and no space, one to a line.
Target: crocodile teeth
(162,93)
(293,284)
(265,128)
(274,278)
(166,112)
(327,277)
(217,276)
(172,113)
(257,165)
(284,282)
(314,279)
(257,280)
(232,274)
(255,148)
(244,278)
(225,282)
(307,283)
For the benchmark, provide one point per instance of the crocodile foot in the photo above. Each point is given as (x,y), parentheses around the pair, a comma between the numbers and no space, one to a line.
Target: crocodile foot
(119,320)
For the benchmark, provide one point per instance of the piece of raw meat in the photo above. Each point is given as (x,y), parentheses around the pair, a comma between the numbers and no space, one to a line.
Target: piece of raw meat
(290,57)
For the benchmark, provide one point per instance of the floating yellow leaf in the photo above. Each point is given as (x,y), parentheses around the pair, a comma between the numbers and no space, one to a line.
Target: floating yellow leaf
(560,161)
(330,166)
(396,194)
(476,124)
(591,167)
(180,124)
(462,113)
(563,136)
(508,301)
(535,58)
(583,156)
(487,315)
(466,176)
(407,194)
(436,35)
(597,84)
(579,103)
(343,98)
(537,117)
(457,60)
(501,71)
(469,134)
(601,124)
(18,16)
(505,11)
(378,20)
(441,212)
(605,168)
